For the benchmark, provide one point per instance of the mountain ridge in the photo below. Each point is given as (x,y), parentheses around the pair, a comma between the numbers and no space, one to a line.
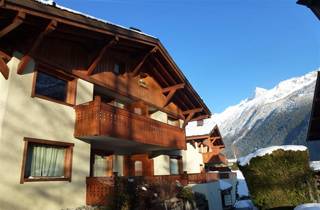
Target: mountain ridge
(276,116)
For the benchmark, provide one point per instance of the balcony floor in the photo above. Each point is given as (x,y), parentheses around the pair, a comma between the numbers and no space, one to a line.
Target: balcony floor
(122,146)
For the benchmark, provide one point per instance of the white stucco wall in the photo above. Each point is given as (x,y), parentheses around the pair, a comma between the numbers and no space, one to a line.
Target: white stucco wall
(160,116)
(161,165)
(25,116)
(192,160)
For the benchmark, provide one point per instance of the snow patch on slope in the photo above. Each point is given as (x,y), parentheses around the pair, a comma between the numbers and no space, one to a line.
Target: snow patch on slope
(266,151)
(237,117)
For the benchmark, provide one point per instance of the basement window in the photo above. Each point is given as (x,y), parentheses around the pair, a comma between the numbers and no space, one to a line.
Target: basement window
(54,87)
(45,160)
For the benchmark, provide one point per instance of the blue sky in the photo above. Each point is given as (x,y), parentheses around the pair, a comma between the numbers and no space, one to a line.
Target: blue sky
(226,48)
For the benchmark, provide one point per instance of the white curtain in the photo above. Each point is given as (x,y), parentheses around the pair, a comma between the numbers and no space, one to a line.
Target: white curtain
(174,166)
(46,161)
(100,166)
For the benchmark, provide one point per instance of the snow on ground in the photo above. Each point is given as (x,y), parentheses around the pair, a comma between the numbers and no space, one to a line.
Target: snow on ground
(54,4)
(308,206)
(242,188)
(244,204)
(224,185)
(265,151)
(315,165)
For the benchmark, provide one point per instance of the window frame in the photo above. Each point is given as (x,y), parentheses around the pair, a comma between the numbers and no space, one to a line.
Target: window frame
(71,89)
(67,160)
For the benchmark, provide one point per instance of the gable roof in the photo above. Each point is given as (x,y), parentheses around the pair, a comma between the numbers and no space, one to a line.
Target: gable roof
(190,100)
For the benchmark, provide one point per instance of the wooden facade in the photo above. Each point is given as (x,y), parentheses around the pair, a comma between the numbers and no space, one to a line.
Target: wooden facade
(314,5)
(99,188)
(140,102)
(210,146)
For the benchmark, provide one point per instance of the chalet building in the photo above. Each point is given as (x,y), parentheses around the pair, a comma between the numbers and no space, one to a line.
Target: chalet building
(314,5)
(313,135)
(210,146)
(82,101)
(205,154)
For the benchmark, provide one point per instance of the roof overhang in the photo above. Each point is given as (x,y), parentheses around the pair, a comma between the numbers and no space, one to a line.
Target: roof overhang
(314,5)
(85,23)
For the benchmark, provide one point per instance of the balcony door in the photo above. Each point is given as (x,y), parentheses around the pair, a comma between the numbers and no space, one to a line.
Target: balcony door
(101,164)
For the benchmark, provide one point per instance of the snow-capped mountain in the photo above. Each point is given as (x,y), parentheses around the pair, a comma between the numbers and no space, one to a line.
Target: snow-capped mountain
(270,117)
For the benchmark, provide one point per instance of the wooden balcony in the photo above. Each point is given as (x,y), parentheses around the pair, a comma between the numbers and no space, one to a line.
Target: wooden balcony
(99,189)
(214,157)
(117,128)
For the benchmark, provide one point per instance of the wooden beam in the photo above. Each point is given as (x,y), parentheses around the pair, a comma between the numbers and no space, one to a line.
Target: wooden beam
(187,120)
(190,114)
(175,87)
(4,68)
(18,20)
(4,56)
(192,111)
(172,90)
(97,59)
(201,117)
(136,69)
(164,70)
(25,60)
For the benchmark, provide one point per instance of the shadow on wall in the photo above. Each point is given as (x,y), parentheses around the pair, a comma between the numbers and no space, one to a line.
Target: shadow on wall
(27,118)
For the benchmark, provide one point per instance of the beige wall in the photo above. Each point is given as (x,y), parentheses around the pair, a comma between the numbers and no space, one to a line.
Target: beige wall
(24,116)
(161,165)
(192,160)
(160,116)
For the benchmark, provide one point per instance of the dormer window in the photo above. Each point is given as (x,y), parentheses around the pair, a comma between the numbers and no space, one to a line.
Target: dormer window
(118,68)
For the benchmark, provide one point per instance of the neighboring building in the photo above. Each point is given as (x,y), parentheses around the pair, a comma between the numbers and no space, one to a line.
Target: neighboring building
(314,5)
(205,154)
(313,135)
(82,101)
(210,146)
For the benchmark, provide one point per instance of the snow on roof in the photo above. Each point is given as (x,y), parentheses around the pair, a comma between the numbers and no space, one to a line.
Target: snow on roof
(315,165)
(54,4)
(193,130)
(265,151)
(224,185)
(244,204)
(308,206)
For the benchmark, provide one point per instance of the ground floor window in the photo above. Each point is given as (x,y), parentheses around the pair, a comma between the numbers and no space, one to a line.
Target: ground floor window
(101,163)
(138,169)
(174,166)
(45,160)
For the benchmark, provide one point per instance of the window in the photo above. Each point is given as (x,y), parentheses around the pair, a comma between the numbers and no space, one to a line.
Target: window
(174,166)
(53,87)
(138,168)
(118,68)
(199,122)
(102,164)
(45,160)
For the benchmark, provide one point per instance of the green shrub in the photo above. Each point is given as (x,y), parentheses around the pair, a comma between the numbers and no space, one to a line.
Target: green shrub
(281,179)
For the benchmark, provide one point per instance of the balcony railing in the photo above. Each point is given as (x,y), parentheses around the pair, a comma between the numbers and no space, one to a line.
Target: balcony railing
(99,189)
(100,119)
